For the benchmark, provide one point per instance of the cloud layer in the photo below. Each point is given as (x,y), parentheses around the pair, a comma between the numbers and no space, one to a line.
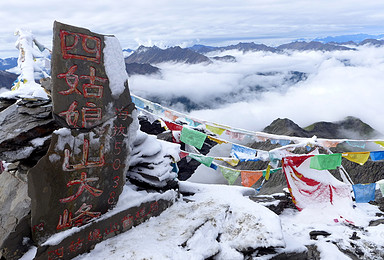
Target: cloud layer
(172,22)
(337,84)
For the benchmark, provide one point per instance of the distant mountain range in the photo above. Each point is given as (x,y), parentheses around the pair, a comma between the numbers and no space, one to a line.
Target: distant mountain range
(143,60)
(155,55)
(198,53)
(356,38)
(8,63)
(6,79)
(349,127)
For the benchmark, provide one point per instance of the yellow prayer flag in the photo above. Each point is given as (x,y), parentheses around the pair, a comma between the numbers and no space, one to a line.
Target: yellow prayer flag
(231,161)
(217,140)
(268,172)
(381,143)
(357,157)
(215,130)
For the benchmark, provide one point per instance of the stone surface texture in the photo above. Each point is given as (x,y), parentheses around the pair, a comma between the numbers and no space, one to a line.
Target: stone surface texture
(83,173)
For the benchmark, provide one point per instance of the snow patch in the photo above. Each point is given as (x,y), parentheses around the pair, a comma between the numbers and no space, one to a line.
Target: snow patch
(114,66)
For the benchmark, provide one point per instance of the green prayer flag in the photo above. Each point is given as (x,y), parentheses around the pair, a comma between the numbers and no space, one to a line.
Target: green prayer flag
(381,185)
(230,175)
(192,137)
(206,160)
(325,161)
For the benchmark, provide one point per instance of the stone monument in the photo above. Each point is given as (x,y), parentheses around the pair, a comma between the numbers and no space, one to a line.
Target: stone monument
(84,171)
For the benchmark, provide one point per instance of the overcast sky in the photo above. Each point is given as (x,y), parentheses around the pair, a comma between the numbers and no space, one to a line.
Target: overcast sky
(176,22)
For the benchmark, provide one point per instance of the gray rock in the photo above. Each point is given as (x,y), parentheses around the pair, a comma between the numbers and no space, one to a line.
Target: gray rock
(14,201)
(20,125)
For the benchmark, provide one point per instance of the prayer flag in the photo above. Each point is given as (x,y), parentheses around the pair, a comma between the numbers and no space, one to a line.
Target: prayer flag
(328,143)
(235,135)
(357,157)
(325,161)
(271,171)
(243,153)
(268,172)
(138,102)
(309,187)
(381,143)
(215,129)
(381,184)
(192,137)
(216,140)
(192,122)
(248,178)
(282,142)
(206,160)
(231,161)
(183,154)
(364,193)
(213,166)
(174,167)
(168,114)
(359,144)
(377,156)
(230,175)
(172,126)
(157,109)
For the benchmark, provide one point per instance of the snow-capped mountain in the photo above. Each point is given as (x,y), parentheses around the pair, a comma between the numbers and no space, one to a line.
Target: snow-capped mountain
(8,63)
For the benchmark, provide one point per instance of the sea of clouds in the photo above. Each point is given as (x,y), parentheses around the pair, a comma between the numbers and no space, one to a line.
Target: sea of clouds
(259,88)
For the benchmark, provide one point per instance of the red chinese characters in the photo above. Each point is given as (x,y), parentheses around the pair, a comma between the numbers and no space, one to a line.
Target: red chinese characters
(80,46)
(83,216)
(91,115)
(85,163)
(83,185)
(56,254)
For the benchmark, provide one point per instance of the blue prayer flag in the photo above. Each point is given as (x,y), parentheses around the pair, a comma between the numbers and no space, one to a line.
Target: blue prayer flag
(243,153)
(364,192)
(377,156)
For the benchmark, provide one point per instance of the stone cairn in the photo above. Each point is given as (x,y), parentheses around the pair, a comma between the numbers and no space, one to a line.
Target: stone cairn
(70,159)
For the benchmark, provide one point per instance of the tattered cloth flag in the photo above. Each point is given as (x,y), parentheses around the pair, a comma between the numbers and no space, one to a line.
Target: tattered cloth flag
(364,193)
(310,187)
(357,157)
(230,175)
(192,137)
(248,178)
(206,160)
(325,161)
(243,153)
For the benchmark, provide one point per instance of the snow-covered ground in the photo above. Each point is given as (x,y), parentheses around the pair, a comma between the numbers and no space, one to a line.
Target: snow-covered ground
(219,220)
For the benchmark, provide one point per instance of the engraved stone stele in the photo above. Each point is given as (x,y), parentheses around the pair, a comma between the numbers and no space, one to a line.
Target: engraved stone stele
(83,173)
